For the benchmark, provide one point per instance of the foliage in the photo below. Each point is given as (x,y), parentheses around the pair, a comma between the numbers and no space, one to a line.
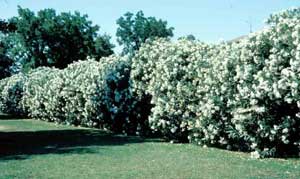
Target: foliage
(266,112)
(5,62)
(170,72)
(188,37)
(103,47)
(35,91)
(11,93)
(241,95)
(7,27)
(57,40)
(134,30)
(14,49)
(86,93)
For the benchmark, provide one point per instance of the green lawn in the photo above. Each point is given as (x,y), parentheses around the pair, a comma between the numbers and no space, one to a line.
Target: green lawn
(34,150)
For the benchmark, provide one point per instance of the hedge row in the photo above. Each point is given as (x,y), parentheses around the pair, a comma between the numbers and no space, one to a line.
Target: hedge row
(86,93)
(11,93)
(240,95)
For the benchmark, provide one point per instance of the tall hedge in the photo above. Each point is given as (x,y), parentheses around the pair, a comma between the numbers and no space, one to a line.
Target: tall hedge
(242,95)
(238,95)
(11,93)
(86,93)
(36,91)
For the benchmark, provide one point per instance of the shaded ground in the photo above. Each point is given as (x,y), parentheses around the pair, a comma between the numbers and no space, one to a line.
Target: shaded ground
(77,141)
(7,117)
(35,149)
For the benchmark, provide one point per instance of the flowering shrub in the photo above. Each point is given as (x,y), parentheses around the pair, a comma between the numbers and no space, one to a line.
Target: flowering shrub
(36,91)
(143,70)
(241,95)
(167,72)
(266,112)
(11,91)
(86,93)
(215,91)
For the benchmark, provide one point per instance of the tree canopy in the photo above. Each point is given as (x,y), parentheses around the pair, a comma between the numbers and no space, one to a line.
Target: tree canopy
(6,27)
(5,62)
(57,39)
(134,30)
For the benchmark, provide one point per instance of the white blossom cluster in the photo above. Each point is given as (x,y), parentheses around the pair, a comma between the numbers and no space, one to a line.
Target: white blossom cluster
(86,93)
(11,92)
(90,93)
(267,102)
(239,95)
(169,72)
(36,91)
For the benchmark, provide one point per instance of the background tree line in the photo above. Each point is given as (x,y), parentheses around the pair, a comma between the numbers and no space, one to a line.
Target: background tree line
(46,38)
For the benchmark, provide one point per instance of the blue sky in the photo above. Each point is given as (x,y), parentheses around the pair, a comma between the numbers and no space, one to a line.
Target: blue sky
(207,20)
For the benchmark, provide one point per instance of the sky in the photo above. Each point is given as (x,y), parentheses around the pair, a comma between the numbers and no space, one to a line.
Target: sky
(208,20)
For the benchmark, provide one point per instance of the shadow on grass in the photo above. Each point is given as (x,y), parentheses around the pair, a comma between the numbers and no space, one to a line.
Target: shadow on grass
(20,145)
(10,117)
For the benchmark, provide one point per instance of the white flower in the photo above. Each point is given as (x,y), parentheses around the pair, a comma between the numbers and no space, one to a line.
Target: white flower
(255,155)
(174,129)
(285,130)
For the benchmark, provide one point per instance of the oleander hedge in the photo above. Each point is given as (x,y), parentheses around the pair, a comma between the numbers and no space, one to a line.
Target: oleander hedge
(86,93)
(11,93)
(242,95)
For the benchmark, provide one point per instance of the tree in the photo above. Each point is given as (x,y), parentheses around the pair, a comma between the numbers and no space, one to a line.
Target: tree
(103,47)
(189,37)
(5,62)
(135,30)
(59,39)
(7,27)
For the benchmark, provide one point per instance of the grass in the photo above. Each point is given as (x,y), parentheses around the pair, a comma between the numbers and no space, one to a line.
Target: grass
(32,149)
